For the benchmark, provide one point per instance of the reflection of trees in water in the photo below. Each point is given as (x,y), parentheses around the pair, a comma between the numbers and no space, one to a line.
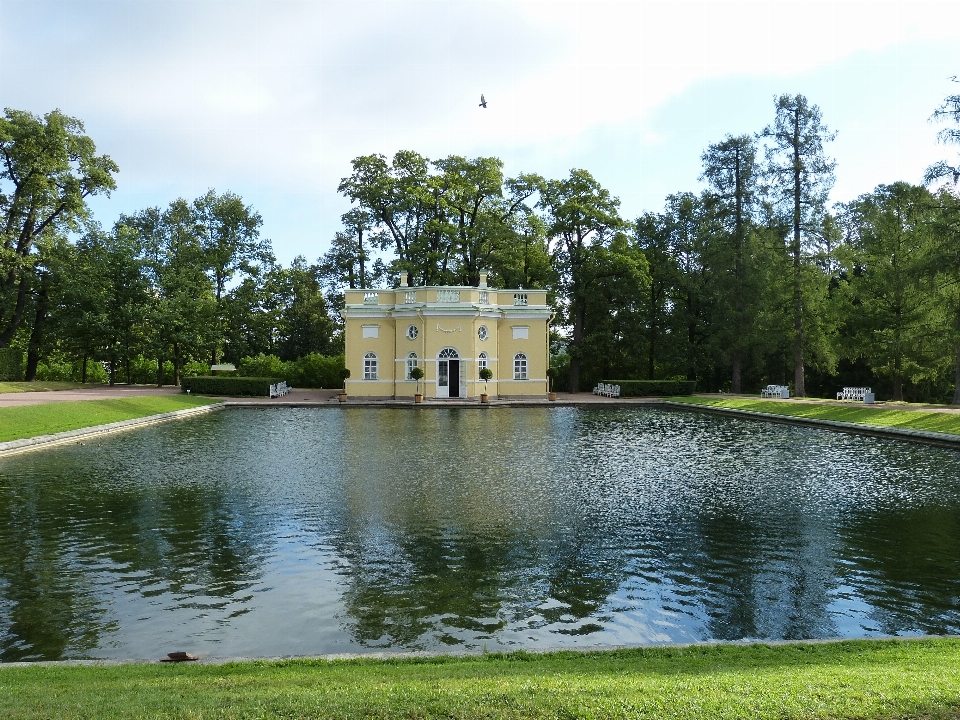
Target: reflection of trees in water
(417,585)
(72,540)
(752,577)
(905,565)
(464,536)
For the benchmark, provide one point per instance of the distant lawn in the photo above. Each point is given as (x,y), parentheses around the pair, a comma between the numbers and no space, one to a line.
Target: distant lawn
(39,386)
(31,420)
(855,679)
(862,414)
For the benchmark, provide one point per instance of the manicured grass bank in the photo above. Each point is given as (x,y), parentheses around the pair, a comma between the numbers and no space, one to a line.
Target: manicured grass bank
(856,679)
(865,415)
(31,420)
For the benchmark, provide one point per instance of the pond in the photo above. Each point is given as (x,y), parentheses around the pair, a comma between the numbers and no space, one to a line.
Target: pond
(264,532)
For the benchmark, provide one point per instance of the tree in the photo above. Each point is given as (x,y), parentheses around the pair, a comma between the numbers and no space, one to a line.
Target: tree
(182,310)
(799,177)
(948,111)
(229,233)
(889,242)
(48,168)
(729,167)
(305,327)
(580,217)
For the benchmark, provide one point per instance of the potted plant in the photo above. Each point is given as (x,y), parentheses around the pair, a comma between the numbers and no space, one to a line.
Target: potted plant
(551,376)
(344,373)
(485,375)
(416,373)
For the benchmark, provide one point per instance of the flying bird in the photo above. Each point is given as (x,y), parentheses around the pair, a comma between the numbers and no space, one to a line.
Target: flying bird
(483,102)
(953,78)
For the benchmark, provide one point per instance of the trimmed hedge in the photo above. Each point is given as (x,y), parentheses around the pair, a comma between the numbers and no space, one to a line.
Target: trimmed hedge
(654,388)
(232,386)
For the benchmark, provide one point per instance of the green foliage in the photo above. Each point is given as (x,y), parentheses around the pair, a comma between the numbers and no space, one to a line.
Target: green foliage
(654,388)
(886,258)
(315,371)
(12,362)
(232,386)
(263,366)
(49,170)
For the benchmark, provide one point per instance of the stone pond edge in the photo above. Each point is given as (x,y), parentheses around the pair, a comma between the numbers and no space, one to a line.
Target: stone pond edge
(472,653)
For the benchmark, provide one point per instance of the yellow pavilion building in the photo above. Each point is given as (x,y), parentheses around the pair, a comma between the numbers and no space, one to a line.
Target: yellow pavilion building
(451,332)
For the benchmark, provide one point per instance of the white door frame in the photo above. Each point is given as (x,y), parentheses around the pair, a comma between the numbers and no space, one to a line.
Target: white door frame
(443,369)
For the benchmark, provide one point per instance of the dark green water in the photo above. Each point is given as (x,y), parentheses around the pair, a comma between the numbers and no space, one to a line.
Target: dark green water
(298,531)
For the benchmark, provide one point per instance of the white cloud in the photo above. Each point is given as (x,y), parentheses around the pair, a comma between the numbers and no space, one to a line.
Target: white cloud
(275,96)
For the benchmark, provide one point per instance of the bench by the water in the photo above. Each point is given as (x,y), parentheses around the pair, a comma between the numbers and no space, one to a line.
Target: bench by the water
(279,389)
(607,390)
(775,391)
(860,394)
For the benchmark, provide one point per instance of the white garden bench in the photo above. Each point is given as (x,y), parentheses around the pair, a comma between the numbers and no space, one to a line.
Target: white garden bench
(279,389)
(858,394)
(775,391)
(607,390)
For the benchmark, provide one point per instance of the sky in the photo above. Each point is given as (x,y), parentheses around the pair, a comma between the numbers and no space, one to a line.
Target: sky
(272,99)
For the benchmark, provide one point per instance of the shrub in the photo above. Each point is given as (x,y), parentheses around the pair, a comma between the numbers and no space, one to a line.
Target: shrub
(263,366)
(654,388)
(191,369)
(12,365)
(55,371)
(315,371)
(233,386)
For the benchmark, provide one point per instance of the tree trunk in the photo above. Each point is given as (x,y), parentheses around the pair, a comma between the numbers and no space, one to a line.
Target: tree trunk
(956,379)
(83,371)
(6,337)
(36,334)
(176,365)
(799,390)
(736,372)
(578,316)
(159,372)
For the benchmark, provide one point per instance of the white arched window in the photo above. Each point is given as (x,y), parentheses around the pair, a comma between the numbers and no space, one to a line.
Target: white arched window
(411,363)
(370,366)
(481,361)
(519,366)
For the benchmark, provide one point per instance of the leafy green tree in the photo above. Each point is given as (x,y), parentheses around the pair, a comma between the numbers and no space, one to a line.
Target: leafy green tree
(305,326)
(581,218)
(729,167)
(889,242)
(182,309)
(229,234)
(799,178)
(48,168)
(949,111)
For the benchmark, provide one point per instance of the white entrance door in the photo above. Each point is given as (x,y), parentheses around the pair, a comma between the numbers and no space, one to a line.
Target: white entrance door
(448,373)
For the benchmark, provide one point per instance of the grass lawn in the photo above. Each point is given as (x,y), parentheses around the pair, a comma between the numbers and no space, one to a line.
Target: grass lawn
(18,387)
(27,421)
(854,679)
(863,414)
